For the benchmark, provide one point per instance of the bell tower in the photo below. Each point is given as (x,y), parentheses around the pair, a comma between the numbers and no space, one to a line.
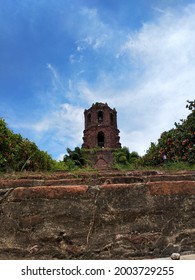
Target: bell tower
(101,127)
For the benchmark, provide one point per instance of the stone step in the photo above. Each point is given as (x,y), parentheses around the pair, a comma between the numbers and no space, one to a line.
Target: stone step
(92,179)
(32,183)
(171,177)
(59,192)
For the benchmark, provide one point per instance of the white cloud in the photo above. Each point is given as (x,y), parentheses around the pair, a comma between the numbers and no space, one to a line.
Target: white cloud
(157,68)
(60,157)
(58,129)
(58,85)
(164,51)
(67,120)
(94,33)
(147,75)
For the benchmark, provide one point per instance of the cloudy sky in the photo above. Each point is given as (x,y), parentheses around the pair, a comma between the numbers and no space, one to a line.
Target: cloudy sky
(57,57)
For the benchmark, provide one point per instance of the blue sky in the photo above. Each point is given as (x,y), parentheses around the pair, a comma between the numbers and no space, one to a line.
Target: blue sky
(57,57)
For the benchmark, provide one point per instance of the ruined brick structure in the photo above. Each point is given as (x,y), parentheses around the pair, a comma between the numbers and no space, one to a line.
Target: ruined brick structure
(114,215)
(101,127)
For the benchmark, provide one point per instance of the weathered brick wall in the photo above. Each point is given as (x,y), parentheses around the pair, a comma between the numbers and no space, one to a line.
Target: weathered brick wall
(101,159)
(107,126)
(110,133)
(101,217)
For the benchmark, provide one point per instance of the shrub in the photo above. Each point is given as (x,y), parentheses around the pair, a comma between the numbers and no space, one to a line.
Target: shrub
(178,144)
(75,158)
(18,153)
(124,159)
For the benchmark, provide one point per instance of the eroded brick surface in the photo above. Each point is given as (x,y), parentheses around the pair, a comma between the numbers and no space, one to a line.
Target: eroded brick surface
(47,192)
(111,215)
(172,188)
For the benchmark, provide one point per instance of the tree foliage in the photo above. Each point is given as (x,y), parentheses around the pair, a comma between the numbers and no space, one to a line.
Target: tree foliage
(178,144)
(75,158)
(124,158)
(18,153)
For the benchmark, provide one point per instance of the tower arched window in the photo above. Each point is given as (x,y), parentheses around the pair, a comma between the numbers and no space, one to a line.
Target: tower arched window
(111,119)
(100,116)
(89,119)
(101,139)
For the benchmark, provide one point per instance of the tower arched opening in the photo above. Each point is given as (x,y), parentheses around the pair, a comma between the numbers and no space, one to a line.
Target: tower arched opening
(101,139)
(100,116)
(89,119)
(111,119)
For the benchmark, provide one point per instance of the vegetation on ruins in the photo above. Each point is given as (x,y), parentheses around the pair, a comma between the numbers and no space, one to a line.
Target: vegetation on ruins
(80,158)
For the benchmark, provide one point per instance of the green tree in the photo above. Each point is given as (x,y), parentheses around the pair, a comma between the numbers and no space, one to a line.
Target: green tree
(124,158)
(178,144)
(121,156)
(18,153)
(75,158)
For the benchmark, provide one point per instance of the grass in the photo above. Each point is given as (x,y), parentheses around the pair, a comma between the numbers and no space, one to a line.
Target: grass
(178,166)
(88,170)
(169,166)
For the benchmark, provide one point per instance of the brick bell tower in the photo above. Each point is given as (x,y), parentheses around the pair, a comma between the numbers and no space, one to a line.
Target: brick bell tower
(101,127)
